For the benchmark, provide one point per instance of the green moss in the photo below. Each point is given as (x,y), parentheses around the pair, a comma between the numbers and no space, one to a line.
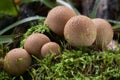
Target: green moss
(40,28)
(80,64)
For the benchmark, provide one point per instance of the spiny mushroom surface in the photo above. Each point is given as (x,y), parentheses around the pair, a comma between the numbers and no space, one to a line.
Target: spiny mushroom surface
(17,61)
(50,47)
(104,32)
(34,43)
(80,31)
(57,18)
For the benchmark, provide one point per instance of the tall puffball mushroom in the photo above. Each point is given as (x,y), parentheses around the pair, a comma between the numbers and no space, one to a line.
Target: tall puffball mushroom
(80,31)
(34,43)
(17,61)
(58,17)
(104,32)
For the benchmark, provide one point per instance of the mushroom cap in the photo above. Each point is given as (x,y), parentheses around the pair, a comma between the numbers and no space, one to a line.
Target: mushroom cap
(50,47)
(17,61)
(57,18)
(80,31)
(34,43)
(104,32)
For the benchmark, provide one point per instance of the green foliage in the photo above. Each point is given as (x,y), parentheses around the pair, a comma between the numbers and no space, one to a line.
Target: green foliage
(78,64)
(69,4)
(51,4)
(114,21)
(3,50)
(7,7)
(93,13)
(21,22)
(116,26)
(6,39)
(48,3)
(40,28)
(81,64)
(5,76)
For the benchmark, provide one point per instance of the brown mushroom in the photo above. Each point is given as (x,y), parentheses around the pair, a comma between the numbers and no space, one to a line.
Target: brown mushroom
(34,43)
(50,47)
(57,18)
(104,32)
(17,61)
(80,31)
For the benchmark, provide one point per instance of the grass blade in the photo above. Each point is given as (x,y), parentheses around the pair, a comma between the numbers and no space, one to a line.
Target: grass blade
(116,27)
(6,39)
(76,11)
(21,22)
(48,3)
(114,21)
(95,8)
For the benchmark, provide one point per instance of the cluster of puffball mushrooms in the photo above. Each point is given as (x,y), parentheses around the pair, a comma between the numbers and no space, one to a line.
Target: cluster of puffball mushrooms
(78,31)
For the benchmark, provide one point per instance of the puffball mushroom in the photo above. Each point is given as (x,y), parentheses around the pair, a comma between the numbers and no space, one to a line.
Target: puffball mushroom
(34,43)
(58,17)
(50,47)
(104,32)
(80,31)
(17,61)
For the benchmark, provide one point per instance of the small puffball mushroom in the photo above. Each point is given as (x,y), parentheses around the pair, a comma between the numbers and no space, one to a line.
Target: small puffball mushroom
(17,61)
(57,18)
(104,32)
(50,47)
(34,43)
(80,31)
